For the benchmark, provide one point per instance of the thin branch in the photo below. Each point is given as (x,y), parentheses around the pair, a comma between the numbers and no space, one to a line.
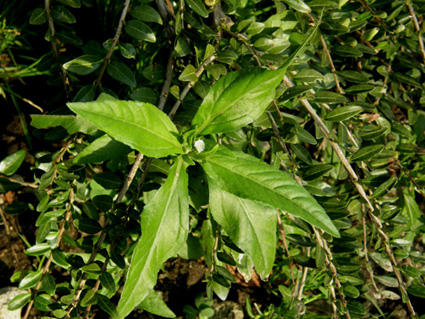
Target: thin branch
(114,43)
(49,261)
(63,72)
(189,86)
(331,63)
(166,87)
(418,29)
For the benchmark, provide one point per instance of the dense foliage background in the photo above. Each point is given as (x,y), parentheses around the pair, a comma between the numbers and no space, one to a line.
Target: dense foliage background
(346,122)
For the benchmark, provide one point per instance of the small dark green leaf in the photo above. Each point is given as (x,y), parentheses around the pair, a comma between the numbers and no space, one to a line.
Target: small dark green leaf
(6,185)
(317,171)
(304,136)
(199,7)
(329,98)
(146,13)
(103,202)
(301,152)
(108,282)
(59,258)
(140,31)
(359,88)
(10,164)
(83,65)
(222,256)
(108,180)
(353,76)
(31,280)
(19,301)
(127,50)
(106,305)
(403,78)
(92,268)
(356,308)
(38,16)
(62,14)
(90,298)
(86,94)
(71,3)
(385,187)
(371,132)
(122,73)
(320,188)
(343,113)
(87,225)
(347,51)
(49,284)
(218,278)
(145,94)
(294,92)
(367,152)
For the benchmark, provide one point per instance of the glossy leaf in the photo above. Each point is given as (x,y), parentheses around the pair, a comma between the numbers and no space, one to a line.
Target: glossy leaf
(83,65)
(410,208)
(188,74)
(71,123)
(62,14)
(353,76)
(19,301)
(250,225)
(122,73)
(165,224)
(108,180)
(31,280)
(309,76)
(106,305)
(37,250)
(343,113)
(298,5)
(329,97)
(249,178)
(139,125)
(199,7)
(146,13)
(10,164)
(367,152)
(38,16)
(236,99)
(140,31)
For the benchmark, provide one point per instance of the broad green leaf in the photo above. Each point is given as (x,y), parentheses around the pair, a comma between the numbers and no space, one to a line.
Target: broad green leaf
(10,164)
(247,177)
(236,100)
(140,31)
(139,125)
(154,304)
(298,5)
(367,152)
(102,149)
(165,224)
(343,113)
(198,6)
(70,123)
(38,16)
(410,208)
(250,225)
(31,279)
(122,73)
(83,65)
(19,301)
(146,13)
(240,97)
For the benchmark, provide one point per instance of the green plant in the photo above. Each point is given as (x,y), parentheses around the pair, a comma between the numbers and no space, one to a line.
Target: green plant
(285,118)
(203,309)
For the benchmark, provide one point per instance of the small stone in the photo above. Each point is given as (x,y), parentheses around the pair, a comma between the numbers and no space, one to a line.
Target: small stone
(6,295)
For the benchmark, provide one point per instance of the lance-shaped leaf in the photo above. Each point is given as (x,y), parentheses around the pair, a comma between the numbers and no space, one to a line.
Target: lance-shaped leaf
(139,125)
(248,177)
(250,225)
(240,97)
(165,224)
